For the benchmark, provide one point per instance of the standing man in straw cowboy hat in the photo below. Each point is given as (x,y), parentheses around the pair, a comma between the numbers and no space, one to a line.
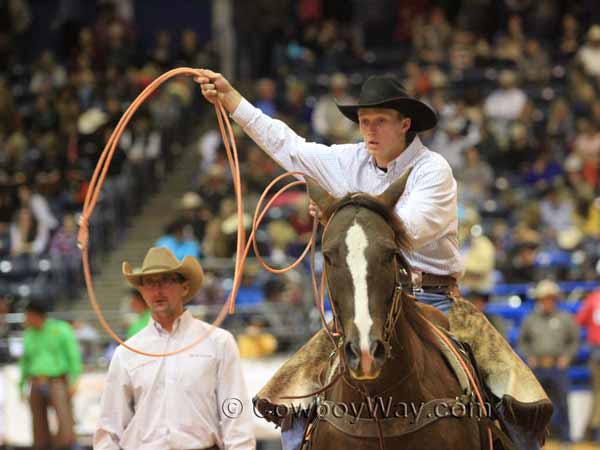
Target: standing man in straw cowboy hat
(549,339)
(389,120)
(181,401)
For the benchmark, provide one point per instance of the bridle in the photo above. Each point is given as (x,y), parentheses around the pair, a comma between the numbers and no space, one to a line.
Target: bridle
(403,289)
(402,278)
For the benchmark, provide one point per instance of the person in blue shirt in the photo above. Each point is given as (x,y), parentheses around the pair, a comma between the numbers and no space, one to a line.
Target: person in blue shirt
(179,242)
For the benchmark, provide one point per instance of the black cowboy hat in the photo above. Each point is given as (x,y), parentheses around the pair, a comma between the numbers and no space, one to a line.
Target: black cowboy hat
(383,91)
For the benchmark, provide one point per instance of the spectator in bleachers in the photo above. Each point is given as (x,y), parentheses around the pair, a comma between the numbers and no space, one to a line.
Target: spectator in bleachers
(561,122)
(507,102)
(557,211)
(431,36)
(281,236)
(143,146)
(265,96)
(587,142)
(327,122)
(534,65)
(214,186)
(66,257)
(162,53)
(589,54)
(569,39)
(549,339)
(588,317)
(140,308)
(479,254)
(295,109)
(521,265)
(27,235)
(256,341)
(180,241)
(194,213)
(511,43)
(38,206)
(592,219)
(453,141)
(48,75)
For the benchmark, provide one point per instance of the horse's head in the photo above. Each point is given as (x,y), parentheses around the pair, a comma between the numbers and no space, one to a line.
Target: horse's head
(362,246)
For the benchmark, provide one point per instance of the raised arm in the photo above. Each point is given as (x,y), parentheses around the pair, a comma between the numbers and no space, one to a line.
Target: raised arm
(291,151)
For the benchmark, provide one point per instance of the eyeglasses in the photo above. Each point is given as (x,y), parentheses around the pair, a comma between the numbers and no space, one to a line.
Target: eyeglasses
(166,281)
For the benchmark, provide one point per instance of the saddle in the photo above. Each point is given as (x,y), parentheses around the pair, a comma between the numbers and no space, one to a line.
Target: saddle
(318,408)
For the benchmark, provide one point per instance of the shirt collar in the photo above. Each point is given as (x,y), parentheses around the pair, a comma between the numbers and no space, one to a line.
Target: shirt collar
(404,159)
(179,326)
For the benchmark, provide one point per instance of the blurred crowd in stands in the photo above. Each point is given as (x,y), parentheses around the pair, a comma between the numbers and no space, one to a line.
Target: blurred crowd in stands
(516,84)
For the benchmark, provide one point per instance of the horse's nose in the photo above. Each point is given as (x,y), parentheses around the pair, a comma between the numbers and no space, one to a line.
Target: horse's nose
(377,349)
(352,355)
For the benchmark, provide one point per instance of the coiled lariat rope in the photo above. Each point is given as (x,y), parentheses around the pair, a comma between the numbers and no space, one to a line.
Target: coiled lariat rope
(243,246)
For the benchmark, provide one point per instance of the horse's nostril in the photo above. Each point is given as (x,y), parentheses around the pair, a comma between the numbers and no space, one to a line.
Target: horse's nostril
(378,350)
(352,354)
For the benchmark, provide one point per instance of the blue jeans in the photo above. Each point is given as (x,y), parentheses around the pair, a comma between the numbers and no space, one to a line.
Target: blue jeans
(555,382)
(524,440)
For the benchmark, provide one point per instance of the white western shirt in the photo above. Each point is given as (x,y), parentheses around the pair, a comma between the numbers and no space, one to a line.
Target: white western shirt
(176,402)
(428,206)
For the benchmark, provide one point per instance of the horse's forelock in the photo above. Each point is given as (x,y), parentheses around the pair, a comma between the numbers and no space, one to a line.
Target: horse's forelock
(369,202)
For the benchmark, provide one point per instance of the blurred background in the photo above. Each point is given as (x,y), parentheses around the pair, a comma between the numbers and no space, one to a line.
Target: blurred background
(516,84)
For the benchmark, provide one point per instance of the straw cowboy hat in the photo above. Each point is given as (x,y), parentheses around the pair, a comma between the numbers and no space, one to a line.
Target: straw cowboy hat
(161,260)
(91,120)
(593,33)
(545,288)
(383,91)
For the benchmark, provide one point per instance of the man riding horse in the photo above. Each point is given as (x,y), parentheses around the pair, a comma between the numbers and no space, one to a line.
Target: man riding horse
(389,120)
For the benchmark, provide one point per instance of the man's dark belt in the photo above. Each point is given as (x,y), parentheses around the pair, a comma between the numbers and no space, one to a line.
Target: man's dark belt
(438,284)
(214,447)
(46,378)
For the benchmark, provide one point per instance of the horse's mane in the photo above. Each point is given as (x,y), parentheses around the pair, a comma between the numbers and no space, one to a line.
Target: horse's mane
(417,320)
(369,202)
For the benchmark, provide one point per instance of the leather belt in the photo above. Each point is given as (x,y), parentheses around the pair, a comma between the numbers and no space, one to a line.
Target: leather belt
(429,280)
(46,378)
(214,447)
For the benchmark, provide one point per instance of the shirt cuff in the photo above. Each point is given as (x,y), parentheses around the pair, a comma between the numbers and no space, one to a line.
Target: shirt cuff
(244,113)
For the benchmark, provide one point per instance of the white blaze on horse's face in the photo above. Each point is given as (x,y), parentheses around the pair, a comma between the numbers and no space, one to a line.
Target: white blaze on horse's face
(357,243)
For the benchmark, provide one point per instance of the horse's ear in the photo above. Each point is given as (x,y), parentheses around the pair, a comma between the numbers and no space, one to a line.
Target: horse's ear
(320,196)
(393,193)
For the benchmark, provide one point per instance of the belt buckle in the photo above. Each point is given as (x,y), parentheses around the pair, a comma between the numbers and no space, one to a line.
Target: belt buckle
(417,281)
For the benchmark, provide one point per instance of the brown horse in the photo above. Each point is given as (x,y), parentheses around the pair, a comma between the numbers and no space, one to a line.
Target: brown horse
(393,387)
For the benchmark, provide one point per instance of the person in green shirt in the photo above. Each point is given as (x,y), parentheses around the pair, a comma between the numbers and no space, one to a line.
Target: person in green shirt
(50,365)
(138,306)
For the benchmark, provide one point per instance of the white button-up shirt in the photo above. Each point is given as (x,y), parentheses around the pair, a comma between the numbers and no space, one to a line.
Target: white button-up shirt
(177,402)
(428,206)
